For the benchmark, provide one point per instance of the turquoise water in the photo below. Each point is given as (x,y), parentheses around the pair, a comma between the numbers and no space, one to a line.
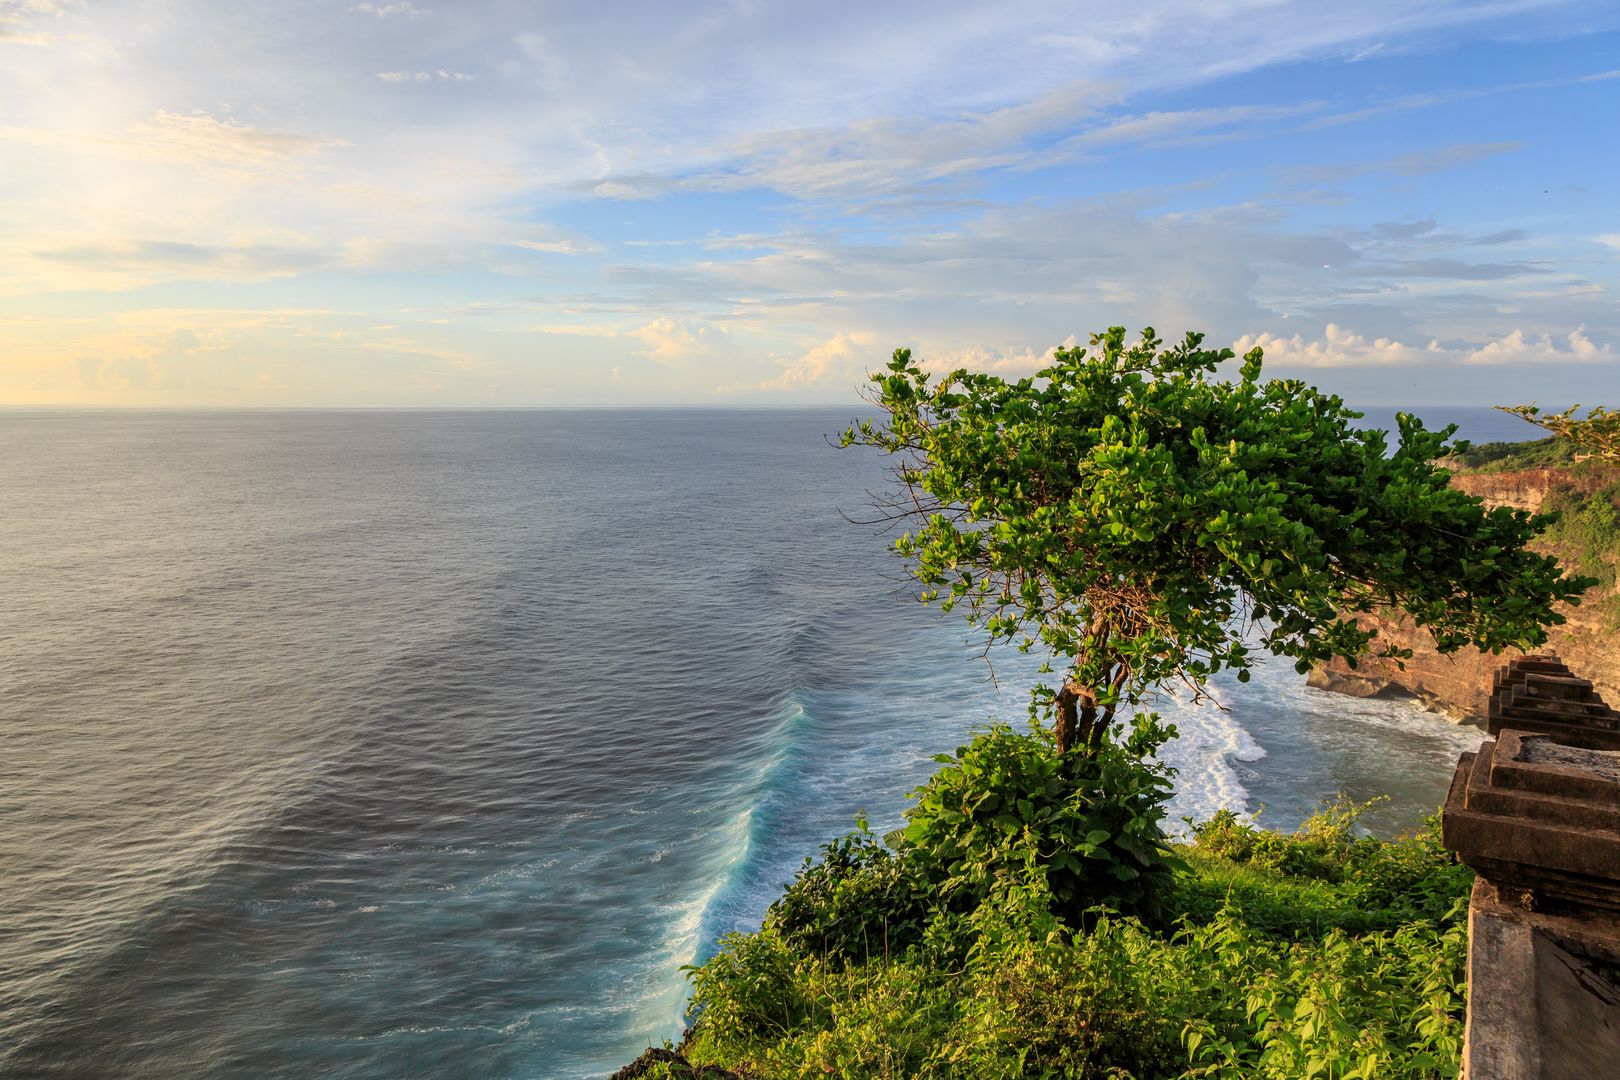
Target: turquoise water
(384,744)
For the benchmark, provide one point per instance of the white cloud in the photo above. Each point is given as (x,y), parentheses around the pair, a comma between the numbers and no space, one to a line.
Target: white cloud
(916,207)
(24,12)
(195,138)
(575,246)
(387,11)
(18,17)
(842,360)
(579,330)
(682,342)
(1337,348)
(1008,361)
(438,75)
(208,139)
(1520,348)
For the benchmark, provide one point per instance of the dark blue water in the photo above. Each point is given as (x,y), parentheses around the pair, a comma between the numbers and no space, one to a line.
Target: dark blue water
(385,744)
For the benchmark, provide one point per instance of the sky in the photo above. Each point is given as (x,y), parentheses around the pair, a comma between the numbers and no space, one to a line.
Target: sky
(502,203)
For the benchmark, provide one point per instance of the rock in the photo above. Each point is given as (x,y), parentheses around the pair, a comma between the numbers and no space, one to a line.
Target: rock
(679,1067)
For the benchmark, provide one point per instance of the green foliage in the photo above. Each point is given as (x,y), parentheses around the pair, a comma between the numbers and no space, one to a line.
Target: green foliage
(1322,877)
(1372,988)
(1385,1004)
(754,986)
(1589,528)
(1111,1002)
(1004,814)
(1597,434)
(1582,507)
(858,900)
(1508,456)
(1131,511)
(1005,806)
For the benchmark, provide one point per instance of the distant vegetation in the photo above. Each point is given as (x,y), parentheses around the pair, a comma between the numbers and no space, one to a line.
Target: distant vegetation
(1586,499)
(1588,531)
(1508,456)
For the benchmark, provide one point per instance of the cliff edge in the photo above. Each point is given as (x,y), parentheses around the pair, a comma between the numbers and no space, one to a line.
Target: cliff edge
(1586,540)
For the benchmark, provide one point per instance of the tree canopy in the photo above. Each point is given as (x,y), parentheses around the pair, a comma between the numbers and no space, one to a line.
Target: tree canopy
(1152,523)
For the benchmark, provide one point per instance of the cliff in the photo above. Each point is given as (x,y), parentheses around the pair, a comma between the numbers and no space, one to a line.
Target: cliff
(1585,541)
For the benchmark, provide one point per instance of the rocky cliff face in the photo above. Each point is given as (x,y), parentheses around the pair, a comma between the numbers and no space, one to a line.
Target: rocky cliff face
(1458,685)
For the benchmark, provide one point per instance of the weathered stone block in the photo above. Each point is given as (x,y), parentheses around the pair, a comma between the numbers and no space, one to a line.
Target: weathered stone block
(1536,813)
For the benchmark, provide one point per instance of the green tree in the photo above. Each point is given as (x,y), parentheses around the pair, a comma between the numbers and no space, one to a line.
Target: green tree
(1152,524)
(1598,435)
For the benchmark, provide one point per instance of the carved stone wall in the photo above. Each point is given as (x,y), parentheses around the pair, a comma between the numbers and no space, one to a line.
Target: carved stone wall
(1536,813)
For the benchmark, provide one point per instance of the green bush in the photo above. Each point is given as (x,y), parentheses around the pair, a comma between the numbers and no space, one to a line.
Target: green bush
(1588,527)
(1318,954)
(753,987)
(1320,878)
(858,900)
(1106,1003)
(1005,803)
(1386,1004)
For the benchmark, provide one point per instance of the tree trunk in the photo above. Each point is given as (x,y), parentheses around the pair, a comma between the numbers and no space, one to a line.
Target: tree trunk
(1067,716)
(1079,722)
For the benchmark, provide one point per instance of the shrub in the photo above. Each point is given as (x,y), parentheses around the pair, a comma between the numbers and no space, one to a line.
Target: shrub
(752,988)
(1319,878)
(1314,955)
(1105,1003)
(1090,824)
(858,900)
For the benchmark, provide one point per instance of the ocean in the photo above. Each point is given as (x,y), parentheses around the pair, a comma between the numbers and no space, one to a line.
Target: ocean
(431,744)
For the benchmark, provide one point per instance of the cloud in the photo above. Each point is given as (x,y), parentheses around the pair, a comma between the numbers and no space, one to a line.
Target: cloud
(387,11)
(1337,348)
(172,360)
(866,157)
(195,138)
(580,330)
(1403,230)
(1520,348)
(438,75)
(17,19)
(1417,163)
(1609,240)
(878,157)
(1501,236)
(24,12)
(204,138)
(1182,126)
(1449,269)
(1340,348)
(1008,361)
(217,261)
(681,342)
(573,246)
(843,360)
(979,193)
